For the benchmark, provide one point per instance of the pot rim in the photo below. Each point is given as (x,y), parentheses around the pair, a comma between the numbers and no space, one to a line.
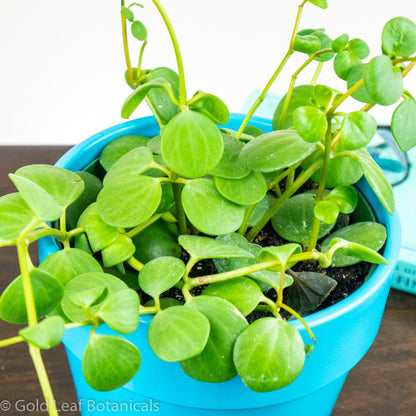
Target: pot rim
(71,160)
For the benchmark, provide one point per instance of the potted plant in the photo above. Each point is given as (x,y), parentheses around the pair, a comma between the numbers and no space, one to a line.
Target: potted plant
(215,238)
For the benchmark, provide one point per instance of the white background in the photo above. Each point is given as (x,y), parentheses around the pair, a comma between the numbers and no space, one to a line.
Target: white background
(61,62)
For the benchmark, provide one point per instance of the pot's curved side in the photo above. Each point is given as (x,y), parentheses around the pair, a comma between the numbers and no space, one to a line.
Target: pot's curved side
(344,333)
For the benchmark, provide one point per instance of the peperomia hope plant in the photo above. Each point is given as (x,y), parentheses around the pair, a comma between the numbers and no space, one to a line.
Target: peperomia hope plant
(207,228)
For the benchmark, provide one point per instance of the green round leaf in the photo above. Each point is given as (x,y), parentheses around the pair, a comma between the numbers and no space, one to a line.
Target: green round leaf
(119,147)
(86,298)
(242,292)
(15,216)
(40,201)
(294,220)
(306,43)
(302,95)
(129,201)
(45,334)
(178,333)
(345,197)
(159,275)
(99,233)
(310,123)
(369,234)
(109,362)
(93,186)
(357,130)
(355,75)
(48,190)
(200,248)
(191,144)
(81,242)
(276,358)
(215,363)
(326,211)
(121,249)
(138,30)
(127,13)
(140,93)
(47,293)
(340,42)
(377,180)
(260,209)
(208,211)
(229,166)
(211,106)
(158,240)
(275,150)
(383,82)
(359,48)
(403,124)
(323,95)
(120,311)
(253,131)
(281,253)
(159,98)
(326,43)
(343,63)
(245,191)
(109,284)
(154,145)
(342,171)
(66,264)
(133,163)
(320,3)
(399,37)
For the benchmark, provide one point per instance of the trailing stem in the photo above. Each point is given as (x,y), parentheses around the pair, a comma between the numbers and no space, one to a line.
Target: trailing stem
(300,180)
(43,379)
(276,73)
(177,188)
(179,61)
(344,96)
(358,85)
(293,81)
(296,315)
(263,94)
(177,192)
(245,271)
(25,269)
(316,224)
(130,73)
(317,73)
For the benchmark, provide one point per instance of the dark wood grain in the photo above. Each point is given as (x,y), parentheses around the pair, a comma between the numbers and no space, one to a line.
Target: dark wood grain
(382,384)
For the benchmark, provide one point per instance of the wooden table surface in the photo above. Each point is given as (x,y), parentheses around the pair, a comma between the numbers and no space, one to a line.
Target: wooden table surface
(382,384)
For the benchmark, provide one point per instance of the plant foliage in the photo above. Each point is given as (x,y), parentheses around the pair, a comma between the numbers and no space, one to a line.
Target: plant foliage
(134,240)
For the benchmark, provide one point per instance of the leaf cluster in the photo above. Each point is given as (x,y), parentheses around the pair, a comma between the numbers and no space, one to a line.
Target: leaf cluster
(137,225)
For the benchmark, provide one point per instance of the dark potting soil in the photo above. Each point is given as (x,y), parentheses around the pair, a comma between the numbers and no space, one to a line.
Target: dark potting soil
(348,278)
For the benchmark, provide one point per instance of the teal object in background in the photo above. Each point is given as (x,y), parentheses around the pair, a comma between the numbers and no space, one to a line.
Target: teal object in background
(404,277)
(344,333)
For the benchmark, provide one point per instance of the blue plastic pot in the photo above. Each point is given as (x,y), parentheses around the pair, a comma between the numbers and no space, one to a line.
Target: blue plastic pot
(344,333)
